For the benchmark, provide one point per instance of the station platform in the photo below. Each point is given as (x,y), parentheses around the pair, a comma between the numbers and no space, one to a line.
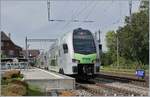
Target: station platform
(47,80)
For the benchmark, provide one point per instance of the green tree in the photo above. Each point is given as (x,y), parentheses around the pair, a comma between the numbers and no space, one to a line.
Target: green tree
(106,59)
(133,39)
(110,56)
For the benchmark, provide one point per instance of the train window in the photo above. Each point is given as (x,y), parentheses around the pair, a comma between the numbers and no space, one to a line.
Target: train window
(65,48)
(83,42)
(100,47)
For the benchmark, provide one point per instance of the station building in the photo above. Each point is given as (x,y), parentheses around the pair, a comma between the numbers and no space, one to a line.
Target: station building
(8,48)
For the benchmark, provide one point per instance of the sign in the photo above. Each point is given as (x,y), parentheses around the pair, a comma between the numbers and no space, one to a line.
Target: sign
(140,73)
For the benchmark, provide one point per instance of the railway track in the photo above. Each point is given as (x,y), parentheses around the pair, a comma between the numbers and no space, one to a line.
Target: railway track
(103,90)
(114,86)
(112,78)
(118,89)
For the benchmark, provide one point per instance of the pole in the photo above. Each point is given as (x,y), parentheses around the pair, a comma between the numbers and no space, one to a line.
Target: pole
(26,46)
(99,40)
(48,7)
(117,52)
(26,40)
(99,32)
(130,9)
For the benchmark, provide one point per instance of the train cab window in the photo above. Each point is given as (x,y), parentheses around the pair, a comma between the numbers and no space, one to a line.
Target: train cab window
(65,48)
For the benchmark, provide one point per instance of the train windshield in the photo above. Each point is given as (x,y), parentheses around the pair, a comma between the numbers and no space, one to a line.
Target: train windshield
(83,42)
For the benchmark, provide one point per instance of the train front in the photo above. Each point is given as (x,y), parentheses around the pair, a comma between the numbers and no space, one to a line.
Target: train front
(85,53)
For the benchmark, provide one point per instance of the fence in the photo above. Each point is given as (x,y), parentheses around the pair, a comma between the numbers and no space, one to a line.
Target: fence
(14,65)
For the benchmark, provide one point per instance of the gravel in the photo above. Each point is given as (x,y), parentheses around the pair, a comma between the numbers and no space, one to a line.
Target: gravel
(130,87)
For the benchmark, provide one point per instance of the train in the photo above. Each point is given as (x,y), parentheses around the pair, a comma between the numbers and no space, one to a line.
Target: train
(76,53)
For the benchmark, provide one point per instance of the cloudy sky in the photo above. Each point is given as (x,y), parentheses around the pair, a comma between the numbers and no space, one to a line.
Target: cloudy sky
(29,18)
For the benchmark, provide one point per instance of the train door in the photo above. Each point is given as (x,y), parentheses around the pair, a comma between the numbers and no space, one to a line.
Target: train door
(65,57)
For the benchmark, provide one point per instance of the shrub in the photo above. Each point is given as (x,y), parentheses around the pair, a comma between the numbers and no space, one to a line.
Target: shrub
(5,81)
(11,74)
(18,82)
(15,90)
(21,76)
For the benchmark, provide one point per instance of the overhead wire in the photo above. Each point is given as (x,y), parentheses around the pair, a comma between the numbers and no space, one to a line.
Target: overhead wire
(89,6)
(74,15)
(90,11)
(110,5)
(94,5)
(118,20)
(58,20)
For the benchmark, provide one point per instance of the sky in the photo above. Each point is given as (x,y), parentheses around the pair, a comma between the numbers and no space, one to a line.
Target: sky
(30,18)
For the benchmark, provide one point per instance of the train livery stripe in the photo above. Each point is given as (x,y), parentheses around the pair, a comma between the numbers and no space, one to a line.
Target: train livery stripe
(85,59)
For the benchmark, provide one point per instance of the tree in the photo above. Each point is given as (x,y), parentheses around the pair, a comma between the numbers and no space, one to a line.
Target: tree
(106,58)
(111,44)
(133,38)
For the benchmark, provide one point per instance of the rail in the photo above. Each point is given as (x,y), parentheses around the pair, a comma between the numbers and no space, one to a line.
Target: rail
(133,80)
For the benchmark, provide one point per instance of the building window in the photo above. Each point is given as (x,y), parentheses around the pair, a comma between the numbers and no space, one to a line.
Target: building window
(11,52)
(7,44)
(2,44)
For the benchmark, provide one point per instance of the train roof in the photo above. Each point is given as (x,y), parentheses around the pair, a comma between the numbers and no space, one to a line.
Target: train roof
(63,37)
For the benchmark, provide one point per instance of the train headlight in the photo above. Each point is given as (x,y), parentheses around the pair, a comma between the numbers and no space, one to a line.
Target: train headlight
(94,61)
(75,61)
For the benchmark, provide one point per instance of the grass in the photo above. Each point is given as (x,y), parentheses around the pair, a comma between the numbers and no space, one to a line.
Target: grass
(34,91)
(120,70)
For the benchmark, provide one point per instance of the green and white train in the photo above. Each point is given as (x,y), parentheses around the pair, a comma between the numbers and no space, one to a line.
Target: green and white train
(76,53)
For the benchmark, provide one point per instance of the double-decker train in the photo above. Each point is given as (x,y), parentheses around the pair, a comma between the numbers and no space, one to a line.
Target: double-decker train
(75,53)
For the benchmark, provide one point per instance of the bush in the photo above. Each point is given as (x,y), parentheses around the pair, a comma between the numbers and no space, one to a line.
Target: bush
(5,81)
(18,82)
(14,90)
(11,74)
